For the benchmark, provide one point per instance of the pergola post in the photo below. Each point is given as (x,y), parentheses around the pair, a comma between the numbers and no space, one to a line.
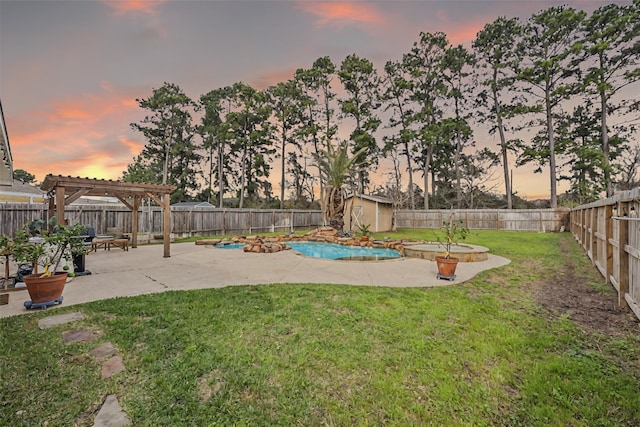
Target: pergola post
(134,221)
(52,208)
(60,205)
(166,224)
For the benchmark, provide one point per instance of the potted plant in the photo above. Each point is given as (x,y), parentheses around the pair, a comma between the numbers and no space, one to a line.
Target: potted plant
(46,248)
(452,232)
(364,229)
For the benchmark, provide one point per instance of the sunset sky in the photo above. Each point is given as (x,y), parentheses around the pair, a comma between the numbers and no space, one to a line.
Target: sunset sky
(70,71)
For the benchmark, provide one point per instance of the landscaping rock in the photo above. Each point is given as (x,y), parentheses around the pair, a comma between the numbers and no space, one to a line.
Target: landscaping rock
(79,335)
(105,349)
(208,242)
(264,248)
(112,366)
(111,414)
(260,244)
(60,319)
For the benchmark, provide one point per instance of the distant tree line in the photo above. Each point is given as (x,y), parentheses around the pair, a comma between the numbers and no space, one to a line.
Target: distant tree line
(561,77)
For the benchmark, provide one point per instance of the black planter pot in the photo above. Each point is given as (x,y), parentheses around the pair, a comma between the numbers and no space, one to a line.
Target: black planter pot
(78,263)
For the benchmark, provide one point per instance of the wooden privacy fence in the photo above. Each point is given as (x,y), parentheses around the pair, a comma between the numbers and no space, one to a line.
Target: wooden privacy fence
(543,220)
(200,221)
(195,221)
(185,221)
(609,231)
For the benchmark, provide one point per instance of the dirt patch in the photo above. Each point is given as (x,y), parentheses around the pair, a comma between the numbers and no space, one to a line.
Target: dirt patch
(591,309)
(210,384)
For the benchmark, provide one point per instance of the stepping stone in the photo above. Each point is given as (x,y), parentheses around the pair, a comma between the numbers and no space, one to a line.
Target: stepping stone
(60,319)
(112,367)
(111,414)
(105,349)
(79,335)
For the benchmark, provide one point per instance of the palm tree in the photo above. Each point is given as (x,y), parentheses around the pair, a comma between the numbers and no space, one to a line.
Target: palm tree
(337,167)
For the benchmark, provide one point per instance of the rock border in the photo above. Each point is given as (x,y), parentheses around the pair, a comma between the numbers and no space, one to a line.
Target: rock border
(271,244)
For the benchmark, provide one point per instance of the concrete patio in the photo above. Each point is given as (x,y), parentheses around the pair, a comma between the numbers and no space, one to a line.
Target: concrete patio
(144,270)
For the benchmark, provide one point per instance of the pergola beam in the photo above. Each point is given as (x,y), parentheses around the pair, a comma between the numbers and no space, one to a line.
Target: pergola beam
(125,202)
(75,196)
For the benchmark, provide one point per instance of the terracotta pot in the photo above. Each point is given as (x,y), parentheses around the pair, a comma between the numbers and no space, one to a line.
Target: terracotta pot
(447,266)
(45,289)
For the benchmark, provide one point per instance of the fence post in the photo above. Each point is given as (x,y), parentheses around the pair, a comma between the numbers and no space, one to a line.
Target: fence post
(585,228)
(224,221)
(594,232)
(608,212)
(623,274)
(291,222)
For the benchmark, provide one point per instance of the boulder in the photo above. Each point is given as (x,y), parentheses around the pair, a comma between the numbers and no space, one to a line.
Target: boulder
(208,242)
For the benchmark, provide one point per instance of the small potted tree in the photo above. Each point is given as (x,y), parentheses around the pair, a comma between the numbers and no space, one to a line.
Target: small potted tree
(364,229)
(452,232)
(48,249)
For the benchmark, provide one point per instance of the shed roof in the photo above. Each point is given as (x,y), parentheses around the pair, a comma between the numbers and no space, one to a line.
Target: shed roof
(378,199)
(193,205)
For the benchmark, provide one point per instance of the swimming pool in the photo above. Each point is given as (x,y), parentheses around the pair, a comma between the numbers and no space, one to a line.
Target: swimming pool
(333,251)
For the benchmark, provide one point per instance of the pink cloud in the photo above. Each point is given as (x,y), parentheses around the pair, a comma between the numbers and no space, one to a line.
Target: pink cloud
(271,78)
(465,34)
(339,13)
(135,147)
(77,135)
(122,7)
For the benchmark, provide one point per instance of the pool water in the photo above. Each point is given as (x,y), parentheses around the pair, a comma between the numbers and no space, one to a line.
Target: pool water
(333,251)
(230,245)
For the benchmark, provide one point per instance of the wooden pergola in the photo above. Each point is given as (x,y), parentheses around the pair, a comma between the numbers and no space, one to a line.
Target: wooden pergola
(64,190)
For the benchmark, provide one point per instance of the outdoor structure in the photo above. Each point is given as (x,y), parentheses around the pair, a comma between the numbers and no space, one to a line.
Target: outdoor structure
(6,161)
(360,209)
(64,190)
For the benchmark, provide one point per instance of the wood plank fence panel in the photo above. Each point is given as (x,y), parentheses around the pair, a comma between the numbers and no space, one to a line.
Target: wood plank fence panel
(614,273)
(608,230)
(14,215)
(185,221)
(488,219)
(202,221)
(262,221)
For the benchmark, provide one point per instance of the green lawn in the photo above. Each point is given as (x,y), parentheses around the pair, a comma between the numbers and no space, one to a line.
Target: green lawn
(480,353)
